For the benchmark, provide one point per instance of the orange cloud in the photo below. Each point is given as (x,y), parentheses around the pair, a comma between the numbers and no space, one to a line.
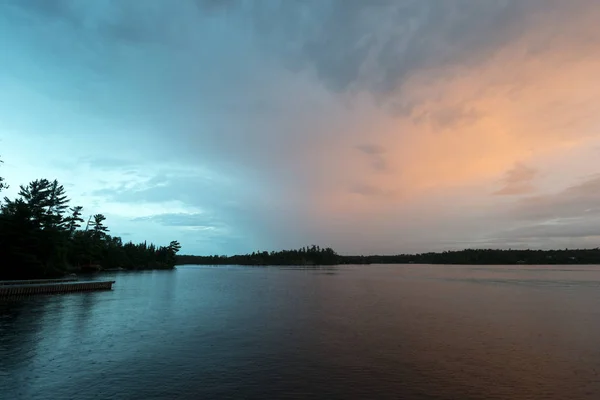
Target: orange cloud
(528,103)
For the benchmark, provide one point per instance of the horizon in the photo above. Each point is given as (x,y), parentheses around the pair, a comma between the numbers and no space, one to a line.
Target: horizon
(396,254)
(395,127)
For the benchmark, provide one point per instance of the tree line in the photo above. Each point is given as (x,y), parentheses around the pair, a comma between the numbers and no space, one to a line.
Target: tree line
(317,256)
(311,255)
(485,257)
(42,236)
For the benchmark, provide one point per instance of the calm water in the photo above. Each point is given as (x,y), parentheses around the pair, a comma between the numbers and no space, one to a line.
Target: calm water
(414,332)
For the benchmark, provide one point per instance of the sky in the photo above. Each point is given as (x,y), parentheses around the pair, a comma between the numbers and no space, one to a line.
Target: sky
(373,127)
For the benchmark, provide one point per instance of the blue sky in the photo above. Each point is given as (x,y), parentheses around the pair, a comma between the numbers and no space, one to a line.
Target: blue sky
(371,127)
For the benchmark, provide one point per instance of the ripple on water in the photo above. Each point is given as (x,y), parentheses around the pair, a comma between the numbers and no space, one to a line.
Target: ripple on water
(418,332)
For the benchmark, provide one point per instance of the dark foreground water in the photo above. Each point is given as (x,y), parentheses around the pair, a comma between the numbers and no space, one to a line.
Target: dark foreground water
(413,332)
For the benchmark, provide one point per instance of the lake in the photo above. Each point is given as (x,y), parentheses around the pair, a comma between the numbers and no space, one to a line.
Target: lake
(384,332)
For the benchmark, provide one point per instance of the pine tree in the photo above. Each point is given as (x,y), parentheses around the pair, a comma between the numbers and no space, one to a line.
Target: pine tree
(98,228)
(40,236)
(3,185)
(74,221)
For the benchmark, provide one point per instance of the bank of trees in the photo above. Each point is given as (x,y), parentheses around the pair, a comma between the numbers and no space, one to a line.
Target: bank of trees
(485,257)
(312,255)
(41,235)
(316,256)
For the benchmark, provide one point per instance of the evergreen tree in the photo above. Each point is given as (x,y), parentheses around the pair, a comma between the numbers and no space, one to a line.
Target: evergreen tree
(98,228)
(3,185)
(40,236)
(57,204)
(74,221)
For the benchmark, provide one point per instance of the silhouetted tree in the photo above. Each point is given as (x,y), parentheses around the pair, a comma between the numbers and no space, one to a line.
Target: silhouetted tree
(3,184)
(37,219)
(98,228)
(174,247)
(74,221)
(312,255)
(40,236)
(469,256)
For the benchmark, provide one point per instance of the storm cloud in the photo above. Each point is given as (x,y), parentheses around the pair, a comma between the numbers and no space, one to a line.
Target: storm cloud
(370,126)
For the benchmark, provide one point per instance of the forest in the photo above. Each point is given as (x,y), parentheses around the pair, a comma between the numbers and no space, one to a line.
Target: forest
(42,236)
(485,257)
(316,256)
(312,255)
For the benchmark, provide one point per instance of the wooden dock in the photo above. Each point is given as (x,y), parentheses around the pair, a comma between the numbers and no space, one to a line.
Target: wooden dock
(37,281)
(48,286)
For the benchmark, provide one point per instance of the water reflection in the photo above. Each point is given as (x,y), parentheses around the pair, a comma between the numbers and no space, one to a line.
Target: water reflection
(419,332)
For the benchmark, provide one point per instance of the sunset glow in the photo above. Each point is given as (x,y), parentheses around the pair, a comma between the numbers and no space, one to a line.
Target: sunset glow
(396,127)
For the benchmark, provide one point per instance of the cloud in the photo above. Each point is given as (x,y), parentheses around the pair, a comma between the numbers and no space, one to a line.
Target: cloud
(368,190)
(518,180)
(375,155)
(196,220)
(371,149)
(378,45)
(581,200)
(564,228)
(453,117)
(378,126)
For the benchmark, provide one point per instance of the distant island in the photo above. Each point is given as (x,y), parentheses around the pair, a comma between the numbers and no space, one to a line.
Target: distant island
(314,255)
(42,237)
